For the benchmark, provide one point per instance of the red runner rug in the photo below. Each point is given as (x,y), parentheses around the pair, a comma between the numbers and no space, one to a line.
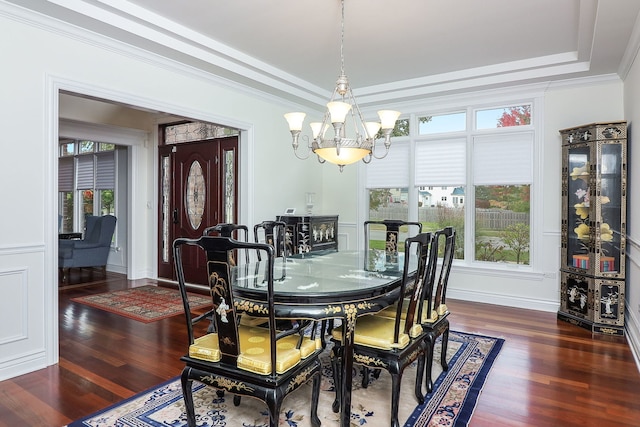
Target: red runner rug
(145,303)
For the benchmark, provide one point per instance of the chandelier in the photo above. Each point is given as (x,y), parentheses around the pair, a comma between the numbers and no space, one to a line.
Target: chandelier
(342,150)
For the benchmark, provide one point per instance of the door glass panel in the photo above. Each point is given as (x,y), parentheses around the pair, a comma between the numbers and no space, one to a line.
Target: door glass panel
(165,170)
(229,180)
(195,197)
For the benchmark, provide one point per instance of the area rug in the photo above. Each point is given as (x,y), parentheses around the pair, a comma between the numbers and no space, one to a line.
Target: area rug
(451,403)
(145,303)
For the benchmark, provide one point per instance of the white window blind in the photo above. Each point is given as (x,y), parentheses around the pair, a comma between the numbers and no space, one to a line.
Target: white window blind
(503,159)
(441,162)
(65,174)
(105,171)
(85,172)
(392,171)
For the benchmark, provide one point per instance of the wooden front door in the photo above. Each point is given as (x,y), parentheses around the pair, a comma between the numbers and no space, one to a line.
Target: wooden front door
(198,189)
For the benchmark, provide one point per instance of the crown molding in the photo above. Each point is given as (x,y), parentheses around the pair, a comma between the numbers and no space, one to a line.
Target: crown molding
(631,52)
(213,62)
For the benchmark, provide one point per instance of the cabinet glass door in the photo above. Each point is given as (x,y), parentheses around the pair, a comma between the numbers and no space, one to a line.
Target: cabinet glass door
(578,208)
(608,204)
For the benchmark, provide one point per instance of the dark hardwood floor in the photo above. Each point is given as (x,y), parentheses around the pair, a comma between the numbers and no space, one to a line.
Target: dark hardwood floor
(549,373)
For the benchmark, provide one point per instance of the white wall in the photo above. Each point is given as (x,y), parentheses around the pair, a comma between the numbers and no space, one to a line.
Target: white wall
(41,64)
(632,115)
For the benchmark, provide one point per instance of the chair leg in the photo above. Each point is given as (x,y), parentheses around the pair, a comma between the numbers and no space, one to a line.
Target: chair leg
(315,396)
(365,377)
(65,274)
(429,365)
(443,354)
(336,366)
(188,397)
(325,328)
(419,374)
(396,380)
(274,412)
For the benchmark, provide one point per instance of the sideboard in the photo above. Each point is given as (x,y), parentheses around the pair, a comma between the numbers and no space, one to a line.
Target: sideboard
(306,233)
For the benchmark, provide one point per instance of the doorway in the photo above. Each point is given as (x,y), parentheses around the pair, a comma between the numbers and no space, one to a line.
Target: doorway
(198,184)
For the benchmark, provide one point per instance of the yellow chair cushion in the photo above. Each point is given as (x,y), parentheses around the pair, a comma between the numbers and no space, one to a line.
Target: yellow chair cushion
(307,347)
(442,310)
(390,312)
(377,332)
(255,354)
(205,348)
(254,350)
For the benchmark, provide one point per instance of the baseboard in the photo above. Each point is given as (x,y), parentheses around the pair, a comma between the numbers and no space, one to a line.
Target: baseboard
(22,364)
(506,300)
(632,329)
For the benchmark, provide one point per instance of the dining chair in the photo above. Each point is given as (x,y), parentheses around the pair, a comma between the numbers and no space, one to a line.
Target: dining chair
(435,321)
(393,344)
(392,235)
(226,229)
(433,311)
(272,233)
(260,362)
(392,231)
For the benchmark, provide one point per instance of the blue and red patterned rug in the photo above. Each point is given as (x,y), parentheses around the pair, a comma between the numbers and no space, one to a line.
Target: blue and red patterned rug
(451,403)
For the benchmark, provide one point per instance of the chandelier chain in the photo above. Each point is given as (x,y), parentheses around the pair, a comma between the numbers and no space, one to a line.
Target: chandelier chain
(342,42)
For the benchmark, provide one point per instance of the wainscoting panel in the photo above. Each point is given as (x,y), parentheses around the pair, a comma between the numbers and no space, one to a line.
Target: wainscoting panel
(22,310)
(13,306)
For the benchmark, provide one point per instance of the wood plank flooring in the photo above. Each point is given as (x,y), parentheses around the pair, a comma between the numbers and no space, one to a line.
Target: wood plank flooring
(549,373)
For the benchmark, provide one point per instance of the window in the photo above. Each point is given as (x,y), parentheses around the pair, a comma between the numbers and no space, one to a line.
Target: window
(86,182)
(503,173)
(482,157)
(451,122)
(440,166)
(492,118)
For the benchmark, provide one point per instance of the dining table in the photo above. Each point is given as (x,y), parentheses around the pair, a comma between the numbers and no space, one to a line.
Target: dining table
(325,285)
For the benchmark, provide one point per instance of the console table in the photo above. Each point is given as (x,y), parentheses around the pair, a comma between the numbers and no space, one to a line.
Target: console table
(307,233)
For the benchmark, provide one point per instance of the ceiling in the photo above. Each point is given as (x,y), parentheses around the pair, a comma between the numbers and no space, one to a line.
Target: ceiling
(394,51)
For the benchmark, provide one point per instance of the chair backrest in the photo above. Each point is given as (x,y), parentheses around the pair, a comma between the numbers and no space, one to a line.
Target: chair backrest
(225,318)
(448,235)
(392,234)
(226,229)
(99,229)
(272,233)
(408,309)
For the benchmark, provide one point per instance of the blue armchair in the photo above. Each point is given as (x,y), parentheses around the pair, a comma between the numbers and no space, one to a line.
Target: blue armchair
(92,250)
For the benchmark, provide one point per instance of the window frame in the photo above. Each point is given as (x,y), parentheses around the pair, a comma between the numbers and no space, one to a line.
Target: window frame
(100,149)
(535,222)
